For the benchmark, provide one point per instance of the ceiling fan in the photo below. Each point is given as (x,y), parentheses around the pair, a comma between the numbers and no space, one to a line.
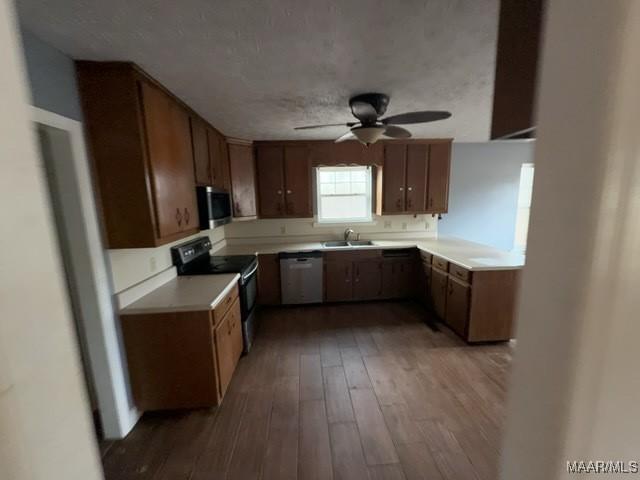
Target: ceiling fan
(368,108)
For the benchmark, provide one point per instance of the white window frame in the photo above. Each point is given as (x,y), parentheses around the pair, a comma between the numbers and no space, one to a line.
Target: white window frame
(368,194)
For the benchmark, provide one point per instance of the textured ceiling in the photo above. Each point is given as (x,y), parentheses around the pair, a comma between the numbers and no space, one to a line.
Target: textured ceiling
(256,69)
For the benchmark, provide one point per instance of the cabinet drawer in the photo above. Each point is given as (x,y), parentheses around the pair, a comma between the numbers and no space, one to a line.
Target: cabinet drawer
(460,273)
(223,306)
(426,257)
(440,263)
(352,255)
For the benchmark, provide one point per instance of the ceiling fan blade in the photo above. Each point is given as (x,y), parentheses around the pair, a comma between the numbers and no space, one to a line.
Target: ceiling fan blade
(365,112)
(416,117)
(347,136)
(396,132)
(344,124)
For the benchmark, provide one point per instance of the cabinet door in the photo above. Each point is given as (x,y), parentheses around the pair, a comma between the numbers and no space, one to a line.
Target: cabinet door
(170,159)
(417,171)
(226,347)
(389,278)
(185,194)
(439,166)
(270,168)
(268,279)
(367,280)
(200,146)
(405,278)
(339,280)
(243,180)
(394,175)
(218,159)
(439,292)
(297,175)
(457,315)
(426,283)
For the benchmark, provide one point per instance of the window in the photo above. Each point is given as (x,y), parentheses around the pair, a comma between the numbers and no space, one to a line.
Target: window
(524,206)
(343,194)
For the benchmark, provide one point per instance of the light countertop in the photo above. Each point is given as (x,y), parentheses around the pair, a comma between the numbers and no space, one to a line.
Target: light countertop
(469,255)
(185,294)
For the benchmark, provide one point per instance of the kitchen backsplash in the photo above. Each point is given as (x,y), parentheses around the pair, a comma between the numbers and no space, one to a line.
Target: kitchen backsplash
(294,230)
(131,266)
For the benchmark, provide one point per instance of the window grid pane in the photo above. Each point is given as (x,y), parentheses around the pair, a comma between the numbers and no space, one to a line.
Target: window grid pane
(344,193)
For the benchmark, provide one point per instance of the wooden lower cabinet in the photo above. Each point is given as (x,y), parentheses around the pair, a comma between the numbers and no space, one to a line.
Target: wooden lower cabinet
(439,280)
(367,279)
(338,276)
(182,359)
(228,345)
(269,279)
(457,307)
(479,306)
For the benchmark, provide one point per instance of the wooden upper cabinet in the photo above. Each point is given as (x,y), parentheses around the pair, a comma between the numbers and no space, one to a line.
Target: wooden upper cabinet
(170,158)
(218,159)
(297,179)
(270,168)
(200,144)
(417,175)
(284,181)
(243,179)
(141,144)
(439,167)
(394,177)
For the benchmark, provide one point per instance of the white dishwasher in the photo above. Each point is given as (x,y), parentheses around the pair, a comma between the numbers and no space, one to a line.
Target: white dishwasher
(301,277)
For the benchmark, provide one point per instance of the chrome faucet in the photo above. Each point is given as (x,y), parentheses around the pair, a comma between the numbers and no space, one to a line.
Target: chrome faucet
(347,233)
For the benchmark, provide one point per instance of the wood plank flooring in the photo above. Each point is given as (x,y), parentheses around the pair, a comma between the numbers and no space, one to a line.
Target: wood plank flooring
(353,391)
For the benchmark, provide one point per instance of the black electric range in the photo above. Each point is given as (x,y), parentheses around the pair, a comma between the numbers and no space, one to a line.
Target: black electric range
(193,258)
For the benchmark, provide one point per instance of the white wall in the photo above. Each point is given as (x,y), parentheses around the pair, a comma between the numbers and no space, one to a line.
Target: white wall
(575,386)
(45,422)
(483,196)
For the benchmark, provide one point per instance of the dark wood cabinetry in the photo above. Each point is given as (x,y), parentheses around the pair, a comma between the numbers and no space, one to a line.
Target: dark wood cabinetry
(284,181)
(338,279)
(268,279)
(457,311)
(141,146)
(438,183)
(218,159)
(243,179)
(183,359)
(439,280)
(200,146)
(367,279)
(416,177)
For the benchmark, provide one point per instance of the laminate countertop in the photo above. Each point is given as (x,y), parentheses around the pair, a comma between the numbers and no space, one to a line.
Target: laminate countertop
(184,294)
(469,255)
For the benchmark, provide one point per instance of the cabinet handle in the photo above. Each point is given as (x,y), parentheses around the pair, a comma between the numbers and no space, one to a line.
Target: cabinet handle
(178,217)
(289,192)
(409,189)
(279,192)
(402,189)
(186,216)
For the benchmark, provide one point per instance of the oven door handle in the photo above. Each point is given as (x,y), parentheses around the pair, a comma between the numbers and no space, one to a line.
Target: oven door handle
(247,275)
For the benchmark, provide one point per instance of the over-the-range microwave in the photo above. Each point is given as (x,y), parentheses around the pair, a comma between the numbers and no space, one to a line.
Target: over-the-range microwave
(214,207)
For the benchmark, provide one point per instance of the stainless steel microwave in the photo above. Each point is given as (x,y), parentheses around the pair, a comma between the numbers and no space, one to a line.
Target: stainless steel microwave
(214,207)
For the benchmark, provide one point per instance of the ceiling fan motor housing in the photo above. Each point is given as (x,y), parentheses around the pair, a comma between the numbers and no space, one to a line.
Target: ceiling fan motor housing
(378,101)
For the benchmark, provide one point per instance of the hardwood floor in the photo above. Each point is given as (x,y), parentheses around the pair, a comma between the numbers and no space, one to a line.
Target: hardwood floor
(353,391)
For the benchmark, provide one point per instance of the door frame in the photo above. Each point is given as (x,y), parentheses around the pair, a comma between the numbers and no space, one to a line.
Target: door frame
(92,279)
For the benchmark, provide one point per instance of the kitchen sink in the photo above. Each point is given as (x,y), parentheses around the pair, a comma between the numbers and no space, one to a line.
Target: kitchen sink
(353,243)
(360,243)
(336,244)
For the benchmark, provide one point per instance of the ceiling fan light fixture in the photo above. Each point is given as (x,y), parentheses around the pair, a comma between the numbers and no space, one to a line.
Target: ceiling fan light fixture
(368,135)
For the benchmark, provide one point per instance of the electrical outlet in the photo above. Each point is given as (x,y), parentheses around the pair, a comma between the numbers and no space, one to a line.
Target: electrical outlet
(426,225)
(387,224)
(404,225)
(153,264)
(283,229)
